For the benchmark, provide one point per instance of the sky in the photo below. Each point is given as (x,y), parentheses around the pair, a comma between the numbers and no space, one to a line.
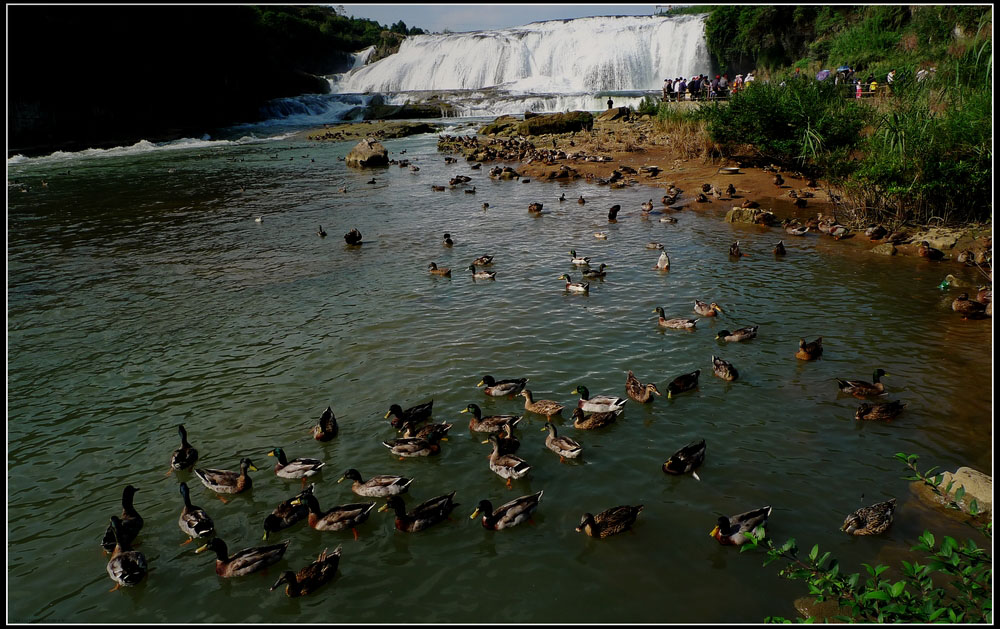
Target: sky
(474,17)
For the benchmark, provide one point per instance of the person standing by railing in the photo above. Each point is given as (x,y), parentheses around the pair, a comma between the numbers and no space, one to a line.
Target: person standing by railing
(890,78)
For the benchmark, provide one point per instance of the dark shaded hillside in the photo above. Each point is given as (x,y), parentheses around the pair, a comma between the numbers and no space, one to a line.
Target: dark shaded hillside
(92,76)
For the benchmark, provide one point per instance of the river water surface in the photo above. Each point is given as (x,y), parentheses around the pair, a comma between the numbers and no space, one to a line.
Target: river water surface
(142,294)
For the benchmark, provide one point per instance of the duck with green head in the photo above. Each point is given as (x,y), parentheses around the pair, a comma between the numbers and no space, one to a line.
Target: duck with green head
(509,514)
(861,389)
(598,403)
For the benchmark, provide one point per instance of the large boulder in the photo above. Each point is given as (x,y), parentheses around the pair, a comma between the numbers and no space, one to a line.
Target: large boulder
(615,113)
(504,125)
(885,249)
(557,123)
(367,154)
(750,215)
(977,486)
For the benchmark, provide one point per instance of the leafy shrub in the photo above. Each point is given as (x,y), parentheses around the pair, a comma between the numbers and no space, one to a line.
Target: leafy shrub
(914,598)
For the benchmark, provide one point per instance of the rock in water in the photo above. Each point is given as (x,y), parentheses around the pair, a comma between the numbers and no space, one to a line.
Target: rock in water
(368,152)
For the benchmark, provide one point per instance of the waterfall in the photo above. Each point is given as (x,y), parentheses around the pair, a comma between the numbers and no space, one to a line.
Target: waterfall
(583,55)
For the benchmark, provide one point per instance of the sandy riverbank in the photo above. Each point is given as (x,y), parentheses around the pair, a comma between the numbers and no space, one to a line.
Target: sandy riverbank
(637,143)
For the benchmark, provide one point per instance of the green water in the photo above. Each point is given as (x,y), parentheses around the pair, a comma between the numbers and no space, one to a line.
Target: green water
(142,294)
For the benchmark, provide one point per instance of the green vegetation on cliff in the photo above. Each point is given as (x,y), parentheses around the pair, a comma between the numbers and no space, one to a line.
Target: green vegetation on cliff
(82,76)
(921,152)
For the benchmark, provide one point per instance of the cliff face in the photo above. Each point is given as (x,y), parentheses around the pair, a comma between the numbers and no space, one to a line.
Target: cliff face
(90,76)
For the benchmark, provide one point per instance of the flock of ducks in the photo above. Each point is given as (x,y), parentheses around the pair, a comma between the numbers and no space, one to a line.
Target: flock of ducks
(128,567)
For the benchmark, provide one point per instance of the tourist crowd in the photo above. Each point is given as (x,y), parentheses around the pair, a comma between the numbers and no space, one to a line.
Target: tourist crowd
(702,87)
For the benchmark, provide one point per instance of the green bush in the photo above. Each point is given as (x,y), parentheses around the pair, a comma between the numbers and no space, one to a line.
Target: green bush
(649,105)
(802,122)
(914,598)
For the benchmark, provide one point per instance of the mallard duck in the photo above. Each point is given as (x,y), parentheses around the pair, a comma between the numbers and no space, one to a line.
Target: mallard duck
(578,260)
(647,206)
(321,232)
(310,578)
(184,456)
(686,459)
(794,229)
(701,198)
(448,242)
(408,447)
(415,414)
(595,274)
(779,249)
(194,521)
(377,486)
(562,197)
(226,481)
(482,275)
(706,310)
(748,204)
(778,180)
(353,237)
(338,518)
(259,219)
(437,188)
(654,245)
(966,257)
(601,235)
(493,423)
(706,188)
(968,308)
(743,334)
(731,190)
(613,213)
(440,431)
(472,191)
(810,351)
(508,514)
(296,468)
(507,443)
(609,522)
(724,369)
(677,324)
(862,389)
(327,428)
(506,465)
(840,232)
(565,447)
(423,515)
(732,531)
(594,420)
(575,287)
(126,567)
(929,252)
(682,383)
(434,270)
(669,199)
(246,561)
(668,219)
(885,410)
(536,207)
(541,407)
(876,232)
(870,520)
(581,200)
(663,262)
(500,388)
(598,403)
(483,261)
(734,250)
(638,391)
(288,513)
(131,522)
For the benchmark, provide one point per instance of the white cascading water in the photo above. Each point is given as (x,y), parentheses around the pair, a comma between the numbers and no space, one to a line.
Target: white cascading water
(564,56)
(559,65)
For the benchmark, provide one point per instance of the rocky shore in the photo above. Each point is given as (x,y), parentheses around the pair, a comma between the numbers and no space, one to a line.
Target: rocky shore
(621,149)
(380,130)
